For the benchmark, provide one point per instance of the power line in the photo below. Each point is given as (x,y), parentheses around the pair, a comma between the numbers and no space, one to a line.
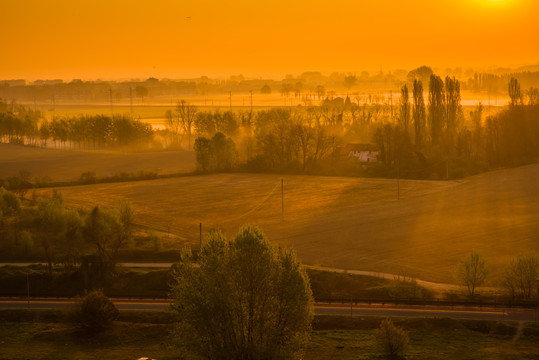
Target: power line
(258,205)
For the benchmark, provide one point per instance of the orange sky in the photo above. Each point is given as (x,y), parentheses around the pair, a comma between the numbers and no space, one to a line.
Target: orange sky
(92,39)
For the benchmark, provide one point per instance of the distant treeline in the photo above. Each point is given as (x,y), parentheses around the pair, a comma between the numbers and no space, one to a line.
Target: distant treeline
(308,85)
(427,134)
(88,240)
(496,84)
(436,141)
(420,138)
(21,125)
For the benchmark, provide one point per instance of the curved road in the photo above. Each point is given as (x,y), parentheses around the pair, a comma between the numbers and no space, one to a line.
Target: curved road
(159,265)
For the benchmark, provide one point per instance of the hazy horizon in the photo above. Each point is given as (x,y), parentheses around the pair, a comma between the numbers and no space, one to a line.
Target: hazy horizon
(170,39)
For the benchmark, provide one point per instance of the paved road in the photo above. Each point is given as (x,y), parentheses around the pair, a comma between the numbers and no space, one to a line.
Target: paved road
(159,265)
(320,309)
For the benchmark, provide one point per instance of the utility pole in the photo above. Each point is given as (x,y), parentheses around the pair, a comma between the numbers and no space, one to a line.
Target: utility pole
(200,235)
(282,198)
(28,289)
(391,103)
(537,279)
(111,110)
(131,98)
(398,182)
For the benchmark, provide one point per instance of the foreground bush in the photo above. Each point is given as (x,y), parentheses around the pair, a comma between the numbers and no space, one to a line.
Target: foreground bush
(95,312)
(390,339)
(244,299)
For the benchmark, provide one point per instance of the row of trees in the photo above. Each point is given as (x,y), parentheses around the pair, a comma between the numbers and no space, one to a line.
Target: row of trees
(216,154)
(21,125)
(65,235)
(271,140)
(435,138)
(96,131)
(519,278)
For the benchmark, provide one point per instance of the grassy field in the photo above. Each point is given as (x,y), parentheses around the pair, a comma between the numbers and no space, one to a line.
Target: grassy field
(349,223)
(45,337)
(66,165)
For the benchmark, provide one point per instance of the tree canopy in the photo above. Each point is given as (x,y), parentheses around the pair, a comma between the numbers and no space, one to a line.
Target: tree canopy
(244,299)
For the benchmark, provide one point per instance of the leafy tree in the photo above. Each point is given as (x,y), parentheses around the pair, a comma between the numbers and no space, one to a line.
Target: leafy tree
(95,312)
(9,202)
(472,272)
(141,92)
(436,108)
(88,177)
(390,339)
(203,152)
(320,91)
(226,123)
(422,74)
(514,92)
(19,184)
(71,241)
(350,80)
(44,132)
(126,217)
(298,86)
(419,113)
(533,96)
(286,89)
(245,299)
(404,116)
(265,89)
(205,124)
(216,154)
(224,155)
(453,107)
(52,223)
(521,275)
(102,229)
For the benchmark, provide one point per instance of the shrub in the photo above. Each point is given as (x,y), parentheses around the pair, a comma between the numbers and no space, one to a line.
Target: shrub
(88,177)
(390,339)
(9,202)
(520,276)
(155,240)
(25,241)
(95,312)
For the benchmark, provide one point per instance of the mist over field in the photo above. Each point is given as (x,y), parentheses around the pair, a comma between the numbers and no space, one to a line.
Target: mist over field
(269,180)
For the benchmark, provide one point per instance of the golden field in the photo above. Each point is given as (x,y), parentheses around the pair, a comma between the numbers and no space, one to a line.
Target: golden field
(66,165)
(351,223)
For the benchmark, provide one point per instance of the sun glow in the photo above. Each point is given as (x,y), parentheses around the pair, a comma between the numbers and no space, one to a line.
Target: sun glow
(169,38)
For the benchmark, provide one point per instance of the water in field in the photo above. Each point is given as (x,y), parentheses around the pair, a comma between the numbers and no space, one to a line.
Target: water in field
(153,110)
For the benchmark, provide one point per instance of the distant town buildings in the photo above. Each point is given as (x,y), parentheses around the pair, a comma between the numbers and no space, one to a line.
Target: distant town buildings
(365,153)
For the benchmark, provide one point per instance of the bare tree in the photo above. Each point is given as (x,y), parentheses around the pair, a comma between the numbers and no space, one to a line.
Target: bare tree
(187,114)
(520,276)
(472,272)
